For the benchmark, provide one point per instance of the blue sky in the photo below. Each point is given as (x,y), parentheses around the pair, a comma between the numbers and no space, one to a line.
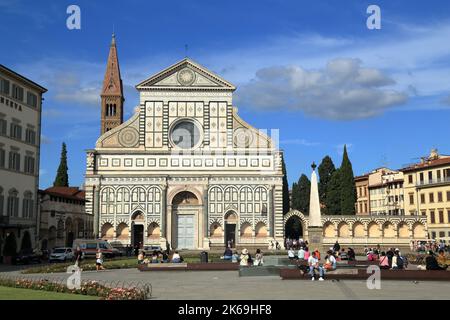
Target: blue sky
(311,69)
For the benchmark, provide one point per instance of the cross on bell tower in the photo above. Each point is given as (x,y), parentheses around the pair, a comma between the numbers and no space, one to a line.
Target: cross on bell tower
(112,92)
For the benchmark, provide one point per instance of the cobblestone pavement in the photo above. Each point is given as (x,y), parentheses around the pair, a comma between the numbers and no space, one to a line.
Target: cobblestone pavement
(227,285)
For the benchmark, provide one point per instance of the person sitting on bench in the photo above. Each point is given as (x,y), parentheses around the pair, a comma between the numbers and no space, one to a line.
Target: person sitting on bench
(313,263)
(176,258)
(228,254)
(384,261)
(291,254)
(330,261)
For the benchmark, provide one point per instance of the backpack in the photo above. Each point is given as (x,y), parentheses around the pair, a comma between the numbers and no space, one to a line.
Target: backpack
(400,262)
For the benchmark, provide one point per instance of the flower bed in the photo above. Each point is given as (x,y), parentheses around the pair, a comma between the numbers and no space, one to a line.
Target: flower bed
(90,288)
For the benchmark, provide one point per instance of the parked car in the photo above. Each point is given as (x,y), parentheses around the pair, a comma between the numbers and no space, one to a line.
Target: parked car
(89,248)
(61,255)
(148,250)
(27,257)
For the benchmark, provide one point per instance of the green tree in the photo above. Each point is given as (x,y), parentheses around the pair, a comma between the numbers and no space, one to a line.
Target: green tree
(325,170)
(62,177)
(286,200)
(333,198)
(300,194)
(348,188)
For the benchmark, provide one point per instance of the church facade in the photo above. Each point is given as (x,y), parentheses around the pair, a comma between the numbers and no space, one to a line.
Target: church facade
(185,170)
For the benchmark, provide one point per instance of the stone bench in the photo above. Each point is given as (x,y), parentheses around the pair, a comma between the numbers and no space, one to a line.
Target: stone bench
(219,266)
(359,274)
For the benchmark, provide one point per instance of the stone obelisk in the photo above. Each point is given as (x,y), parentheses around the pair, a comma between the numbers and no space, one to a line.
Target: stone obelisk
(315,228)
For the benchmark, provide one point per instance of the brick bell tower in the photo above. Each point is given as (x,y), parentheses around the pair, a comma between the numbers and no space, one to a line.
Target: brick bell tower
(112,92)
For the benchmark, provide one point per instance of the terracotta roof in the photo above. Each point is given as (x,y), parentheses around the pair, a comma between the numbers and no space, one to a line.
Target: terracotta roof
(363,177)
(73,193)
(427,164)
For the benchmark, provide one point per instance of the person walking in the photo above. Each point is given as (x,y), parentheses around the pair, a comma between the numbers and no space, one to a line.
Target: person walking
(99,260)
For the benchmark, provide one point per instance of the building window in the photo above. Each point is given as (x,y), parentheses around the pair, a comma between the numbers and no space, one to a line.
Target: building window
(32,99)
(430,176)
(2,200)
(27,205)
(4,86)
(2,157)
(441,217)
(3,125)
(448,196)
(411,198)
(438,175)
(30,136)
(421,178)
(15,131)
(14,161)
(441,234)
(29,165)
(410,179)
(17,92)
(422,198)
(431,197)
(13,203)
(440,197)
(432,217)
(433,235)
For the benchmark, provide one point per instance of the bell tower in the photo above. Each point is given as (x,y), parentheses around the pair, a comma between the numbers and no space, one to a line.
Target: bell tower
(112,92)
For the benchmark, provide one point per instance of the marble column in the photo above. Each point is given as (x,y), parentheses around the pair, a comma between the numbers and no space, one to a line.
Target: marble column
(96,209)
(315,228)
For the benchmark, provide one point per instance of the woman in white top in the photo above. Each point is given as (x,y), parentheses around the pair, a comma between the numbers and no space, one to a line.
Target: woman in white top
(99,260)
(258,258)
(244,258)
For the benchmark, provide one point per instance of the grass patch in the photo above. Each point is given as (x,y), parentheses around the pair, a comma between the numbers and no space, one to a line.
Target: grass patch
(7,293)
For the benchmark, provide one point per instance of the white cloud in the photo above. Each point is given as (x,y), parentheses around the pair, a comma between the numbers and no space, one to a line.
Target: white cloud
(342,90)
(45,139)
(301,142)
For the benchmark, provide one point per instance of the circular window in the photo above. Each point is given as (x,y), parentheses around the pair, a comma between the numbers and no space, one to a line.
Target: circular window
(185,134)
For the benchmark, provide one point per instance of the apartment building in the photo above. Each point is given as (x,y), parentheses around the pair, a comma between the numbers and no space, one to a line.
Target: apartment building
(427,193)
(20,128)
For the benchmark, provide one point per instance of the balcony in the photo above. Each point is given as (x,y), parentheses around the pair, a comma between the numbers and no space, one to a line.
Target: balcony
(7,221)
(433,182)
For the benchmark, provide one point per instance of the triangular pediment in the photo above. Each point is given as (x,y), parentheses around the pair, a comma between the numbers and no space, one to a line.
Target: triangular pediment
(185,74)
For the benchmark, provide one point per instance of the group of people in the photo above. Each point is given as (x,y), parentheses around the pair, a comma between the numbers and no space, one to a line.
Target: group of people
(390,259)
(159,257)
(426,246)
(295,243)
(245,258)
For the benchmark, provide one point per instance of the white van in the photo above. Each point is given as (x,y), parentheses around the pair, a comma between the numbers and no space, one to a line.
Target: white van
(89,248)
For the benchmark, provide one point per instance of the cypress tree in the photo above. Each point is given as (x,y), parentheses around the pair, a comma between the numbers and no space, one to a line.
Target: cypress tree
(325,170)
(286,200)
(300,194)
(348,188)
(333,198)
(62,177)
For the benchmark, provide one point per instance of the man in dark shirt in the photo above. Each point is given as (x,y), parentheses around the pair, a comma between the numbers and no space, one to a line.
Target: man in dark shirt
(390,255)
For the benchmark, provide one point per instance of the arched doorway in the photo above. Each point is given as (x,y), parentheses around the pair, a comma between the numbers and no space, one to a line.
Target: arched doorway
(10,248)
(137,229)
(185,206)
(69,232)
(293,228)
(26,242)
(230,229)
(52,235)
